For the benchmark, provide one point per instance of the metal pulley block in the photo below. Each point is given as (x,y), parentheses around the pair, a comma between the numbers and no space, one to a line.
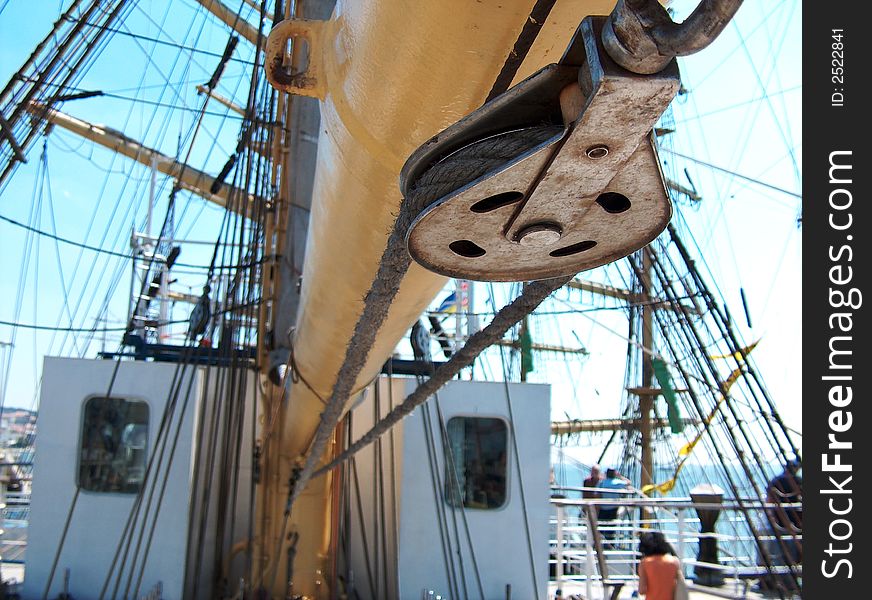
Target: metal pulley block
(557,175)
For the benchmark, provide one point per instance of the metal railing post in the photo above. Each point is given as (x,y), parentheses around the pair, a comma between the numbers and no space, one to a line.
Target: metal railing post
(558,568)
(588,555)
(681,536)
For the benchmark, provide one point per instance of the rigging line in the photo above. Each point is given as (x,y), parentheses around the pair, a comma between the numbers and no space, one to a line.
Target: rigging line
(253,122)
(514,436)
(161,495)
(157,103)
(80,151)
(35,208)
(728,474)
(779,264)
(362,524)
(106,232)
(448,563)
(233,376)
(750,124)
(36,272)
(441,511)
(169,408)
(378,542)
(108,394)
(633,342)
(49,62)
(693,336)
(51,213)
(178,46)
(233,452)
(730,54)
(219,408)
(252,497)
(191,59)
(68,241)
(452,468)
(700,256)
(731,344)
(236,456)
(781,127)
(776,75)
(226,114)
(766,96)
(733,173)
(395,532)
(728,332)
(200,114)
(126,182)
(90,47)
(63,538)
(120,254)
(510,315)
(15,325)
(198,488)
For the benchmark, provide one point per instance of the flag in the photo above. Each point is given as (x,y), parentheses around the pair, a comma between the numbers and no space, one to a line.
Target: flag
(526,348)
(449,305)
(673,412)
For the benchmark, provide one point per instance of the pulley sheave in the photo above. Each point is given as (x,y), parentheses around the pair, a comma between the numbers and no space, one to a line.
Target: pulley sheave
(557,175)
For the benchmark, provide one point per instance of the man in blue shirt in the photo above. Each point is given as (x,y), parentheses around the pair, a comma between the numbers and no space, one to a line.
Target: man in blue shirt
(613,481)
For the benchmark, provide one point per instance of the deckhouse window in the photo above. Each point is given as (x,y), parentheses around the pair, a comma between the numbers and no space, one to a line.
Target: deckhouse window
(114,445)
(475,463)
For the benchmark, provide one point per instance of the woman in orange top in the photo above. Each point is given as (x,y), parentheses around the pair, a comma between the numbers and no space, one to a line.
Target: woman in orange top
(658,570)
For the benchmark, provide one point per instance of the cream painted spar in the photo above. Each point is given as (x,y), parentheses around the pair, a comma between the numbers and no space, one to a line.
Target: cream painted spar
(393,73)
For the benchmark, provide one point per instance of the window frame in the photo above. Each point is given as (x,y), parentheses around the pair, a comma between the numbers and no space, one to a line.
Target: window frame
(449,451)
(81,438)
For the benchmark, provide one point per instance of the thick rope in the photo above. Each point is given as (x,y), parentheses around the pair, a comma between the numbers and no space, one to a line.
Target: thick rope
(506,318)
(475,160)
(392,268)
(448,175)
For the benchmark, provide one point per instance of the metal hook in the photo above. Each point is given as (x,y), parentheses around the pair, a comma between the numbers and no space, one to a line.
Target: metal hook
(640,35)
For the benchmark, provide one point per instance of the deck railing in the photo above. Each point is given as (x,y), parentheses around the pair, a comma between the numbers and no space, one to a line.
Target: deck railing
(590,557)
(14,515)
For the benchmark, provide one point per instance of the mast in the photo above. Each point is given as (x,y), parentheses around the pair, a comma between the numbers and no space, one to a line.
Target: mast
(646,399)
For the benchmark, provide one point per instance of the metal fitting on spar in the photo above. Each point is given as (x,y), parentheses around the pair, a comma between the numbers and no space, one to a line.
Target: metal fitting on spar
(310,80)
(640,35)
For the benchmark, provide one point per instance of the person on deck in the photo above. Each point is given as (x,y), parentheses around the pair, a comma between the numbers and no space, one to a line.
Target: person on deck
(612,481)
(786,488)
(785,522)
(591,482)
(590,494)
(659,569)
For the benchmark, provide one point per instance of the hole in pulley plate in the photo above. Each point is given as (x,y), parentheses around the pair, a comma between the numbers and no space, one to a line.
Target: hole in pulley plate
(613,202)
(496,201)
(572,249)
(466,249)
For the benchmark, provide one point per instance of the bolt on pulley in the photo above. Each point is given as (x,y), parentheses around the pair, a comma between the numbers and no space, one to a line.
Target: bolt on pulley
(557,175)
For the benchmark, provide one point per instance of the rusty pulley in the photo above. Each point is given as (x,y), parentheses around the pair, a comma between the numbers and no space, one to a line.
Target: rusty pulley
(557,175)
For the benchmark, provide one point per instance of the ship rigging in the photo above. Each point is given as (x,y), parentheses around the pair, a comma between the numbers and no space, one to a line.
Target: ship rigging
(288,156)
